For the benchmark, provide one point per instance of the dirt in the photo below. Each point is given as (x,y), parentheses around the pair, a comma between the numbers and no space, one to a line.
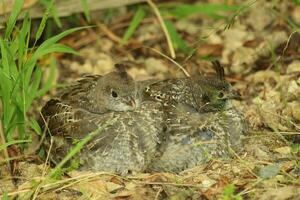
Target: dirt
(261,55)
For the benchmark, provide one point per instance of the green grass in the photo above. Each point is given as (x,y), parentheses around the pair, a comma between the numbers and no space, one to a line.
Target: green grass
(179,11)
(229,193)
(137,19)
(21,75)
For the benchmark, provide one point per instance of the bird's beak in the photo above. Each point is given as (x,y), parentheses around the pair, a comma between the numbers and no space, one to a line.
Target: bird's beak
(131,102)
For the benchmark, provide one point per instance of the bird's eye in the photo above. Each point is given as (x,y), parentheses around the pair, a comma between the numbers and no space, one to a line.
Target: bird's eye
(114,94)
(221,95)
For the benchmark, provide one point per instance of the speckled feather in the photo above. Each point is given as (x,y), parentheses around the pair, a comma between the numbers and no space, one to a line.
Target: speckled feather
(94,93)
(127,145)
(204,94)
(195,138)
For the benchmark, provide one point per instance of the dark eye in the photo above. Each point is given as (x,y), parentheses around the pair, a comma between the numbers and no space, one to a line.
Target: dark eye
(221,95)
(114,94)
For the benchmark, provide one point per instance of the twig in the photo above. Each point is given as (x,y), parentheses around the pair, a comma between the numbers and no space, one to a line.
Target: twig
(109,33)
(170,59)
(168,183)
(163,26)
(158,193)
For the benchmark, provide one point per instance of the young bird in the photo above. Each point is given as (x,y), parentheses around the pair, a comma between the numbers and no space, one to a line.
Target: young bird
(200,121)
(115,91)
(127,145)
(203,94)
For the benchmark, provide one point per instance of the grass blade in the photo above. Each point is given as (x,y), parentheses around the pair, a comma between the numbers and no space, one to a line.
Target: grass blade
(184,10)
(13,17)
(43,22)
(79,146)
(7,144)
(137,19)
(178,42)
(85,8)
(48,83)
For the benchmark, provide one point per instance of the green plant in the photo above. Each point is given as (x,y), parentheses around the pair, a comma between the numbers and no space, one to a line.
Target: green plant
(179,11)
(137,19)
(229,193)
(21,75)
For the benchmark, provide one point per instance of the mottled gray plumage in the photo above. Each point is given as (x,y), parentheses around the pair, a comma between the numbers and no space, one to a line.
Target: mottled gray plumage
(127,145)
(201,122)
(115,91)
(168,125)
(194,138)
(201,93)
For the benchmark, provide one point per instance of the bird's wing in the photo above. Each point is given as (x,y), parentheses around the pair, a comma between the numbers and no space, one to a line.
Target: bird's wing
(78,90)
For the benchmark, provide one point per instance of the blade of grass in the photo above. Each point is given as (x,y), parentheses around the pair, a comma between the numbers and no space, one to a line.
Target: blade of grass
(48,83)
(7,144)
(79,146)
(184,10)
(13,17)
(43,23)
(85,8)
(23,40)
(162,24)
(178,42)
(52,11)
(137,19)
(47,47)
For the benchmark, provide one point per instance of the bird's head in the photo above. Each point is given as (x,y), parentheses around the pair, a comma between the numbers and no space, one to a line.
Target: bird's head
(215,91)
(118,91)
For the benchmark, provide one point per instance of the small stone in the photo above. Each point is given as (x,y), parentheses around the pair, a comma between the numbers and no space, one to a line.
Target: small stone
(269,171)
(296,14)
(283,150)
(113,187)
(260,154)
(154,66)
(293,67)
(208,183)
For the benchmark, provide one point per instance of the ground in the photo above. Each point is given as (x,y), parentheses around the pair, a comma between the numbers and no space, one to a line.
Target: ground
(259,47)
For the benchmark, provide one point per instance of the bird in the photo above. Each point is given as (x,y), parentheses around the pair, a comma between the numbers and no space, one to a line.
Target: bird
(201,93)
(123,147)
(193,138)
(115,91)
(168,125)
(126,146)
(201,121)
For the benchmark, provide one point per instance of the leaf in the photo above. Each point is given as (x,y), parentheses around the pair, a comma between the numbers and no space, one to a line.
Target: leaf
(137,19)
(49,46)
(178,42)
(5,196)
(13,17)
(52,11)
(7,144)
(35,126)
(48,84)
(43,22)
(85,8)
(23,41)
